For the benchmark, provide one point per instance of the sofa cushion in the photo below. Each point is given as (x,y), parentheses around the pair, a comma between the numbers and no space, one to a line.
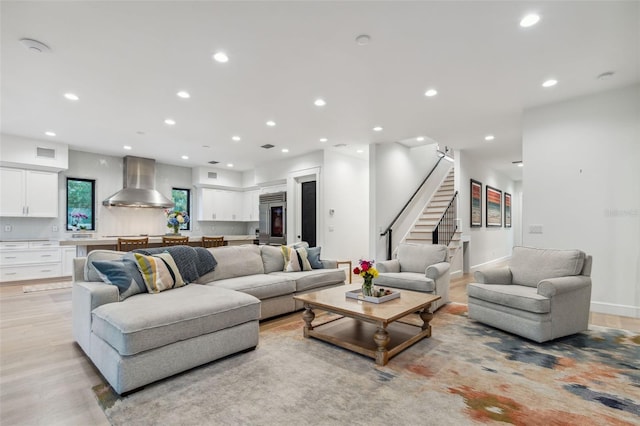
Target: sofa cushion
(316,278)
(262,286)
(313,254)
(272,258)
(159,272)
(531,265)
(90,273)
(295,259)
(515,296)
(234,261)
(123,274)
(146,321)
(407,280)
(416,257)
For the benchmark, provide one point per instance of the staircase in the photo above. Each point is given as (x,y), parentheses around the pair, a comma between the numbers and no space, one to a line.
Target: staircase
(422,231)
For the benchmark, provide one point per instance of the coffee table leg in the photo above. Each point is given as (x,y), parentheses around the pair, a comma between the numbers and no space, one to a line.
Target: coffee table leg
(426,318)
(308,317)
(381,337)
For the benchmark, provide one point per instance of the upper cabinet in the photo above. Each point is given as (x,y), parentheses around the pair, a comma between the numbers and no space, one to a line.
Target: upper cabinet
(250,206)
(28,193)
(226,205)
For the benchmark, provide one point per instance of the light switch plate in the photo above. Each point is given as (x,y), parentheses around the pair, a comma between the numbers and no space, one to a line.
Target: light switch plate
(7,228)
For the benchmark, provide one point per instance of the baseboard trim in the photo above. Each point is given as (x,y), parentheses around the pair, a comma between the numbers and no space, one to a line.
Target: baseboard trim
(488,264)
(615,309)
(456,274)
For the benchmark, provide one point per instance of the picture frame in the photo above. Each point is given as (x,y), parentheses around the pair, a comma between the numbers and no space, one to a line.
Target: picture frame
(493,206)
(507,210)
(475,203)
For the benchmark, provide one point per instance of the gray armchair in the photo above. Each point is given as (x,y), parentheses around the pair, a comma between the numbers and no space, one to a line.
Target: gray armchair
(541,295)
(417,267)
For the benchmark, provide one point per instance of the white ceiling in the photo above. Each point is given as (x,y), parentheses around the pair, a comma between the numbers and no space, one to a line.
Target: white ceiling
(127,60)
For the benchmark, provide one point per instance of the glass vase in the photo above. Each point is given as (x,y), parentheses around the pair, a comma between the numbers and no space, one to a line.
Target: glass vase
(367,286)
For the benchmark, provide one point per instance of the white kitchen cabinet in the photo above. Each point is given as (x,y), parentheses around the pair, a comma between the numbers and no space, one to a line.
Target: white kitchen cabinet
(68,254)
(219,204)
(28,193)
(30,260)
(250,206)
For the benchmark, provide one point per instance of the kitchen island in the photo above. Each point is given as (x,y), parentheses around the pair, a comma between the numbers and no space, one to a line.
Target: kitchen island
(86,244)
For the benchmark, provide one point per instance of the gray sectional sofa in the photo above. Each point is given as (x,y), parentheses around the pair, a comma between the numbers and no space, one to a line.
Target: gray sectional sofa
(147,337)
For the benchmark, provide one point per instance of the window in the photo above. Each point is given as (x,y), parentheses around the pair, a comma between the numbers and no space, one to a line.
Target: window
(81,210)
(182,199)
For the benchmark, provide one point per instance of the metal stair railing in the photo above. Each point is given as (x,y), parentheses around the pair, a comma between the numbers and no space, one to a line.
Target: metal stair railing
(389,232)
(446,227)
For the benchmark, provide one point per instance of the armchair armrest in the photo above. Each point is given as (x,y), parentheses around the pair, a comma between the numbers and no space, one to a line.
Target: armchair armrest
(436,270)
(388,266)
(493,276)
(329,264)
(552,286)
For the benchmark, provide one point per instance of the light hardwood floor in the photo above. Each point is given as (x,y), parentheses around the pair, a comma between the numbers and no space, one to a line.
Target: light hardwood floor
(45,378)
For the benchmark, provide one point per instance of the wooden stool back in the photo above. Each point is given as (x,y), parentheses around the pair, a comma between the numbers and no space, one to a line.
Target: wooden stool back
(212,241)
(175,241)
(128,244)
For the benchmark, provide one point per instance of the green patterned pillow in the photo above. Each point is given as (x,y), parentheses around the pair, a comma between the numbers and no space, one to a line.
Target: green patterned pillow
(159,272)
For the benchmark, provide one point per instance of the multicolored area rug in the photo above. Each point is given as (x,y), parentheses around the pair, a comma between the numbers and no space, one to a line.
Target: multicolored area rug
(467,373)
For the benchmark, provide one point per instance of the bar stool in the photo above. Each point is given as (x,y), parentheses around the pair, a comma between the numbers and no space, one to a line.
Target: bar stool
(128,244)
(175,241)
(212,242)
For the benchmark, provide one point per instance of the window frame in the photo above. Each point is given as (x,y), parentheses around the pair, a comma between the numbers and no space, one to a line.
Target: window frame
(184,226)
(69,226)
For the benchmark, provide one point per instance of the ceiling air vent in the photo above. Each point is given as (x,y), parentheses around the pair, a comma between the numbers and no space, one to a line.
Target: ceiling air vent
(213,162)
(267,146)
(212,175)
(45,152)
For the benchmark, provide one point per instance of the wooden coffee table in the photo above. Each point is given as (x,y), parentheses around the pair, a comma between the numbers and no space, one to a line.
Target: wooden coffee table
(371,329)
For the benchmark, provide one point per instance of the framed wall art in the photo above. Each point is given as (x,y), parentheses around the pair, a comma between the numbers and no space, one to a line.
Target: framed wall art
(507,210)
(493,206)
(476,203)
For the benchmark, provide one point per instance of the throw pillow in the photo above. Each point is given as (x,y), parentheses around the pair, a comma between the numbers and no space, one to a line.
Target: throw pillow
(122,274)
(295,260)
(313,254)
(159,272)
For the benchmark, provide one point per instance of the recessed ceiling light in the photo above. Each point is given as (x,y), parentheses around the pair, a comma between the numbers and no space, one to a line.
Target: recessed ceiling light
(185,157)
(377,129)
(71,96)
(363,39)
(206,146)
(229,164)
(521,165)
(140,132)
(170,122)
(50,133)
(285,150)
(323,139)
(127,147)
(420,138)
(529,20)
(182,94)
(35,45)
(235,138)
(359,151)
(221,57)
(606,75)
(271,123)
(319,102)
(550,83)
(489,138)
(518,163)
(431,92)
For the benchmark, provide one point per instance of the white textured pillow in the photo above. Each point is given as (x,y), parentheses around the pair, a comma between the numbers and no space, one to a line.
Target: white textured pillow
(295,260)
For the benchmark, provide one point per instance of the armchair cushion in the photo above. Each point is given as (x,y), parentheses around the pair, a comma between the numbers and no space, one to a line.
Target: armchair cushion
(494,276)
(530,265)
(388,266)
(516,296)
(407,280)
(416,257)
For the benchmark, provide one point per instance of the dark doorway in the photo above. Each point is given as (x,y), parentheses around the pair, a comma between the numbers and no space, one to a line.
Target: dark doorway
(308,209)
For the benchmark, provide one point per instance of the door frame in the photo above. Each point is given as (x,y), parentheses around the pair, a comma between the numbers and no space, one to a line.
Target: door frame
(295,180)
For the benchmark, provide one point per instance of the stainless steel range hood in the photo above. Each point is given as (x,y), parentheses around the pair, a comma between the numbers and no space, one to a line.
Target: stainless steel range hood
(139,186)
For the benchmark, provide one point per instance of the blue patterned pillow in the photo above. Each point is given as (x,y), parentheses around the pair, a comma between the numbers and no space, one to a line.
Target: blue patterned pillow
(123,274)
(313,254)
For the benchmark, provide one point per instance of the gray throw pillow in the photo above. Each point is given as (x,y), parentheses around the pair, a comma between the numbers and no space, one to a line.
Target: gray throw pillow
(313,255)
(123,274)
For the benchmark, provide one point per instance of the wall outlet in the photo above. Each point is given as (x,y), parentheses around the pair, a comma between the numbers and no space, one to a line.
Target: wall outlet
(54,228)
(535,229)
(7,228)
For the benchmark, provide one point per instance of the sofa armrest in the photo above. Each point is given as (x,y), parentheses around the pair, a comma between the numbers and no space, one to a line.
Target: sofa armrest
(388,266)
(329,264)
(86,296)
(552,286)
(436,270)
(493,276)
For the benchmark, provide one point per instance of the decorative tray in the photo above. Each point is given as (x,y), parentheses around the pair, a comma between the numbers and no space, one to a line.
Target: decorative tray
(357,294)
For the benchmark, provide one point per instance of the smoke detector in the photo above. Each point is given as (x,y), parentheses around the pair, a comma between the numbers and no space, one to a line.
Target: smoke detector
(35,45)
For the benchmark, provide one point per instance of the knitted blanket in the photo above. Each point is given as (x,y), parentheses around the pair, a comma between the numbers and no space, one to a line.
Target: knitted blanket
(192,262)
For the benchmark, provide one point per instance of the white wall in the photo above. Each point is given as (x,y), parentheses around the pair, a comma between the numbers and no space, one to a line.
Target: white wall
(582,185)
(487,245)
